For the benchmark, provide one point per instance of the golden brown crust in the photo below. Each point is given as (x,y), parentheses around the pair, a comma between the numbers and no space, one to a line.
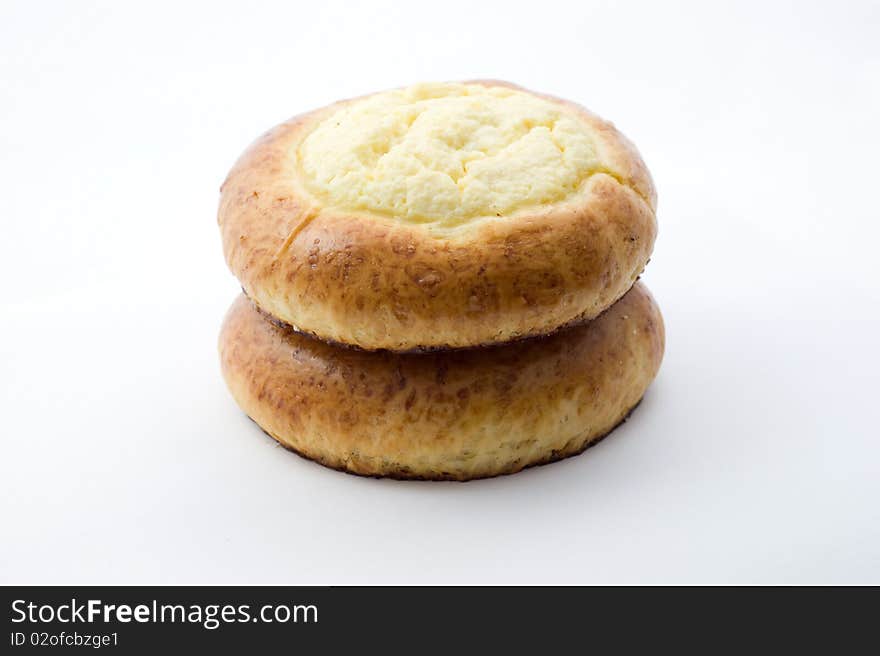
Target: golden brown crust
(447,415)
(399,475)
(377,283)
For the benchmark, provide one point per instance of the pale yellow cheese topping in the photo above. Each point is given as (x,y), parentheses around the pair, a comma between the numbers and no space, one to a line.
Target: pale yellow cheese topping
(447,153)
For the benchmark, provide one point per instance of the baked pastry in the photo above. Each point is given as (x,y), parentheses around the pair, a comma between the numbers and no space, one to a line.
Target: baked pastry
(438,216)
(459,414)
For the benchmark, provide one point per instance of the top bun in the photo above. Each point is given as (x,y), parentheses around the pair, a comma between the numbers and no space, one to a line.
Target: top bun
(438,216)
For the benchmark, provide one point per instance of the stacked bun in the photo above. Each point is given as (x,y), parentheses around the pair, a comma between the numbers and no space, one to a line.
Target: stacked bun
(440,281)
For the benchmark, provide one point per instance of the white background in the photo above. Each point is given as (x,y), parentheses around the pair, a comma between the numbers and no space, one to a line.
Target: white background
(755,456)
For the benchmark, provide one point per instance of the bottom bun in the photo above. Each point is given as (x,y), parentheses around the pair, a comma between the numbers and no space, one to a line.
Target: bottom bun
(455,415)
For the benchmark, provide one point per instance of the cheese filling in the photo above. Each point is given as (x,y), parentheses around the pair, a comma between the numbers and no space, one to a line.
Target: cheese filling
(448,153)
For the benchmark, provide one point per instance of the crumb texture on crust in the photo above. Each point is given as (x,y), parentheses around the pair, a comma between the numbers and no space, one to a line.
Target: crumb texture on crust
(447,415)
(448,153)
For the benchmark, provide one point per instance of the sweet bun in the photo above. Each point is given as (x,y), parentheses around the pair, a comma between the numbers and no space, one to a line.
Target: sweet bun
(438,216)
(459,414)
